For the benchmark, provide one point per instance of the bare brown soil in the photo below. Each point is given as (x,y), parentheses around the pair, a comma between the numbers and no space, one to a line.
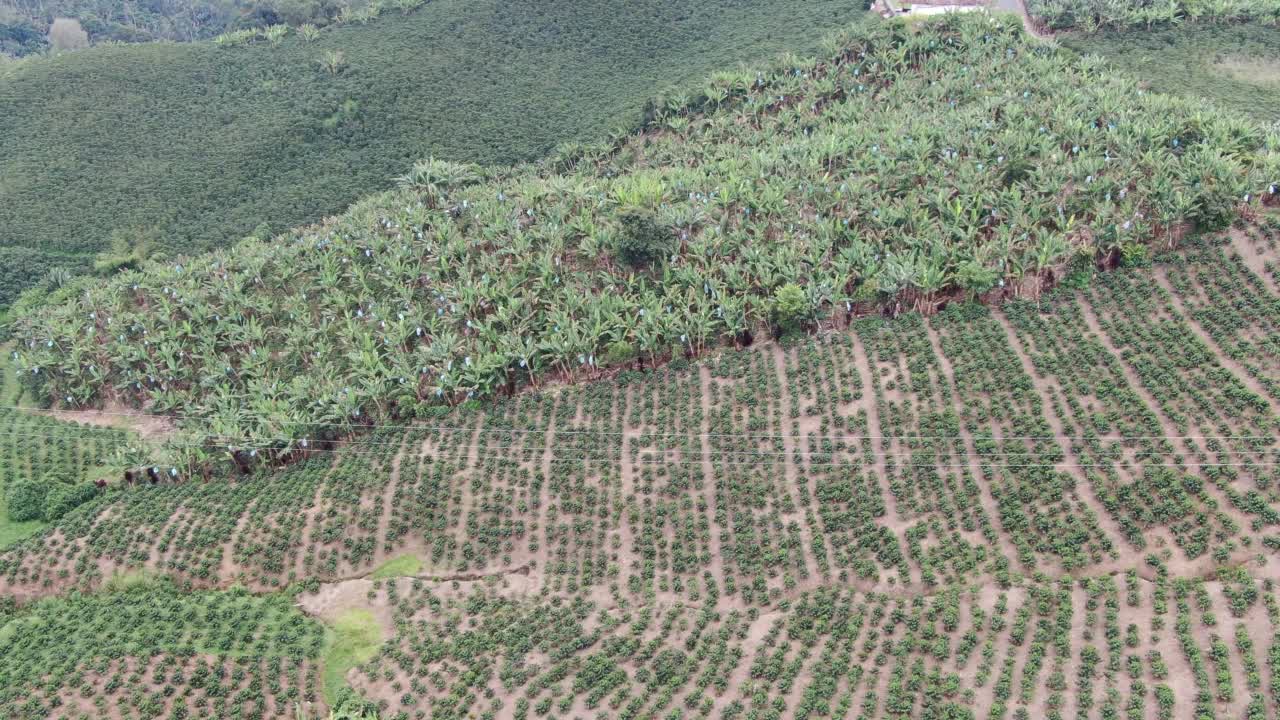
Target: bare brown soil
(1255,258)
(121,417)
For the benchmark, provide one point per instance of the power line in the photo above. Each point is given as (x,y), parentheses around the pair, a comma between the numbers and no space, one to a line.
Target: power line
(664,462)
(619,433)
(271,444)
(274,444)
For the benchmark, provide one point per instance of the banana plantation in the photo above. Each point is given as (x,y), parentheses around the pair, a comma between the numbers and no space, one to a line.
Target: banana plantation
(901,171)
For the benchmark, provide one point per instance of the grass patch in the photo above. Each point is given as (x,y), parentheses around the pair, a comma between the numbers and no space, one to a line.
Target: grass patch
(1232,65)
(10,531)
(403,566)
(1253,70)
(130,580)
(353,638)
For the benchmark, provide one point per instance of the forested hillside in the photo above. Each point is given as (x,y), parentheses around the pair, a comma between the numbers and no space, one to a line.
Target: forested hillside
(25,24)
(183,147)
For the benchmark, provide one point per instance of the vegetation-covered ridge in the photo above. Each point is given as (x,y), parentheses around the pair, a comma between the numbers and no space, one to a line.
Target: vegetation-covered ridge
(166,148)
(910,166)
(1091,15)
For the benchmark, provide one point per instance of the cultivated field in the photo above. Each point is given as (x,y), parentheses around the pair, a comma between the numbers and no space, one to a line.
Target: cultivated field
(1054,508)
(514,443)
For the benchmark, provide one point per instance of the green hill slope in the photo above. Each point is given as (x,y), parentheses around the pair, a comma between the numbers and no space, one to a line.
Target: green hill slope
(910,168)
(185,147)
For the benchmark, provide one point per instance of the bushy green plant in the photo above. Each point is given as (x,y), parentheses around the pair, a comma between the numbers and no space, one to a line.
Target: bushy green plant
(26,499)
(619,352)
(790,308)
(641,240)
(65,497)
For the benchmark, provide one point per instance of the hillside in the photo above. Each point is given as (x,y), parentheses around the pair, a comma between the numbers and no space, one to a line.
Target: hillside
(911,169)
(187,147)
(933,378)
(1065,507)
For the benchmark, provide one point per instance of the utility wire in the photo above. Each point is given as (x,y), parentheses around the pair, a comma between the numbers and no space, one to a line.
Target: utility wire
(229,443)
(613,433)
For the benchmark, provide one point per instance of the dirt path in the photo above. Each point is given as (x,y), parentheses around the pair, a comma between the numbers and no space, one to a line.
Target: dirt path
(537,526)
(311,526)
(1105,521)
(627,484)
(1019,7)
(790,471)
(1180,679)
(990,508)
(878,468)
(1167,426)
(1130,375)
(805,426)
(709,475)
(464,477)
(1237,370)
(115,415)
(228,569)
(1255,261)
(382,547)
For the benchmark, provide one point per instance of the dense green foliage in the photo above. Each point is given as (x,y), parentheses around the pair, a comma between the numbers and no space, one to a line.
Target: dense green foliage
(1090,15)
(65,497)
(46,498)
(790,307)
(1234,66)
(25,499)
(642,241)
(147,649)
(18,35)
(187,147)
(888,173)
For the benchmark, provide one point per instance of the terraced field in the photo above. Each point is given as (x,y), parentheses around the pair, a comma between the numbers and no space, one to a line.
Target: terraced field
(1057,508)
